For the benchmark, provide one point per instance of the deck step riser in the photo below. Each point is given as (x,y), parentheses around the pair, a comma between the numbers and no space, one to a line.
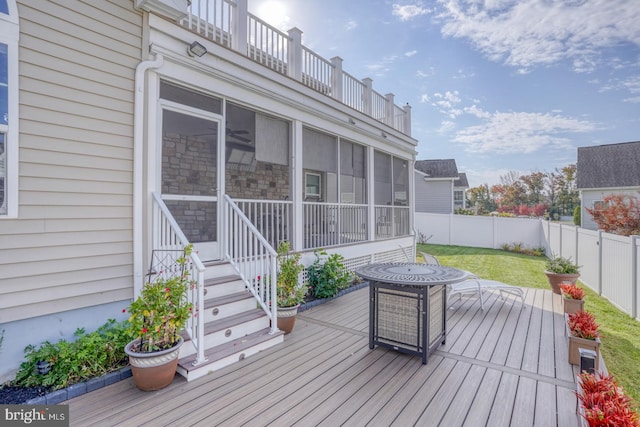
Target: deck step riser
(222,289)
(227,335)
(212,366)
(218,270)
(225,310)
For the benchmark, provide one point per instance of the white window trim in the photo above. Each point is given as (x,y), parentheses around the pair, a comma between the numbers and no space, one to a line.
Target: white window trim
(319,176)
(10,35)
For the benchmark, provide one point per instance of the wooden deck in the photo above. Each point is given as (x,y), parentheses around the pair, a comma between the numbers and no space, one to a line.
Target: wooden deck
(506,365)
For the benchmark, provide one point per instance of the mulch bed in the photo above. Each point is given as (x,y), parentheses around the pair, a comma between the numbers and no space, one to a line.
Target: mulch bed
(10,395)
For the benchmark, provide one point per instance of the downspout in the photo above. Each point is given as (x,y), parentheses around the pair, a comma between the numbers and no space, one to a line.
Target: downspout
(138,163)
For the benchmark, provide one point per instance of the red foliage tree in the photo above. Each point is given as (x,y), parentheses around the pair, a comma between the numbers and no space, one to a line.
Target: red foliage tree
(620,215)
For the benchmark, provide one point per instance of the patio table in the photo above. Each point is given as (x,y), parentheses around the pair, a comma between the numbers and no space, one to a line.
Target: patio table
(407,305)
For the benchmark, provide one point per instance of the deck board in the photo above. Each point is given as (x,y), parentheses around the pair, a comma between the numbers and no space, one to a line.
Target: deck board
(504,365)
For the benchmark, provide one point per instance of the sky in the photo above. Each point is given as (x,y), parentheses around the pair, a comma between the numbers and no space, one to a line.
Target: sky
(497,85)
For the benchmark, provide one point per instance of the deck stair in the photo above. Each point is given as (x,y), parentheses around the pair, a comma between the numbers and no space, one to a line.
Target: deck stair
(235,327)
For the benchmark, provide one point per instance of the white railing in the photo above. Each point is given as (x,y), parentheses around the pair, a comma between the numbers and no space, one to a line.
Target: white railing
(608,263)
(353,91)
(331,224)
(267,45)
(229,23)
(212,19)
(272,218)
(252,256)
(168,238)
(392,221)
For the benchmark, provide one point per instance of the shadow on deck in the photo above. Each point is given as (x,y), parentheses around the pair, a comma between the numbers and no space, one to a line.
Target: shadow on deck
(506,365)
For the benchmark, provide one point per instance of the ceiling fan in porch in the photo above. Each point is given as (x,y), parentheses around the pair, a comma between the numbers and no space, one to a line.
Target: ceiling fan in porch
(237,134)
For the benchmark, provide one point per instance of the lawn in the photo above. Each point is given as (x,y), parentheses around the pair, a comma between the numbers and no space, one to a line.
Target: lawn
(620,333)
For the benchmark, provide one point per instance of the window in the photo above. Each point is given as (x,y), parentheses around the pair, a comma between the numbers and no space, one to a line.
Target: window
(320,157)
(599,204)
(312,185)
(9,32)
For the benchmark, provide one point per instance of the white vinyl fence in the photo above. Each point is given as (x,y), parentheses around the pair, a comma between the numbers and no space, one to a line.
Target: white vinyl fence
(609,263)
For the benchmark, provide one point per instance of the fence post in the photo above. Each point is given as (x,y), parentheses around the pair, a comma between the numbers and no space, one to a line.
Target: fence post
(634,276)
(407,125)
(367,96)
(336,78)
(599,262)
(388,111)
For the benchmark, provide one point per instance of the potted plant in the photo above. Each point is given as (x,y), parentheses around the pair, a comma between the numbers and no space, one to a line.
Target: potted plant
(572,298)
(583,333)
(602,402)
(559,269)
(290,291)
(156,319)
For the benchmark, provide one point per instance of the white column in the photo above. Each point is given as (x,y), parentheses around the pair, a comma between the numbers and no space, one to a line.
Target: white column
(294,54)
(407,120)
(388,114)
(240,18)
(336,78)
(297,186)
(367,96)
(370,191)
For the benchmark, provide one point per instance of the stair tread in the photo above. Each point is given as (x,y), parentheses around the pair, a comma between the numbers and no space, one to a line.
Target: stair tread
(227,299)
(222,279)
(227,349)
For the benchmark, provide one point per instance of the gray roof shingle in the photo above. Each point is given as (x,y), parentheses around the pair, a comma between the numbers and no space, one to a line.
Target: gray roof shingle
(438,168)
(462,182)
(609,166)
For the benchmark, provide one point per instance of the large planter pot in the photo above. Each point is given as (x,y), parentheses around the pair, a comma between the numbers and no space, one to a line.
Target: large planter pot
(287,318)
(556,279)
(153,371)
(575,344)
(572,305)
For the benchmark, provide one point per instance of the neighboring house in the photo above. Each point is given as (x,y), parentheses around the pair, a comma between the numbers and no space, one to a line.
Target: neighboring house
(435,185)
(459,192)
(147,124)
(604,170)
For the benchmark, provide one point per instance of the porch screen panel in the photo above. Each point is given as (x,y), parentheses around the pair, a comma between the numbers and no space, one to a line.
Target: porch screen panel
(353,183)
(320,154)
(382,175)
(400,182)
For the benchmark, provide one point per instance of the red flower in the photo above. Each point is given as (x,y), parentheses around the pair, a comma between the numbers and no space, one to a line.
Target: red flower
(258,278)
(144,330)
(124,310)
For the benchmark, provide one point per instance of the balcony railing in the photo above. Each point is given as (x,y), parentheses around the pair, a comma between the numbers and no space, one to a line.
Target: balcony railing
(230,24)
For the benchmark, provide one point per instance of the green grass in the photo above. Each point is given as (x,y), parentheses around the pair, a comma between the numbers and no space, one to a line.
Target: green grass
(620,333)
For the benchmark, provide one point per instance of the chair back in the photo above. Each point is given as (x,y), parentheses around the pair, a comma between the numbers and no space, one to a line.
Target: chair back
(429,259)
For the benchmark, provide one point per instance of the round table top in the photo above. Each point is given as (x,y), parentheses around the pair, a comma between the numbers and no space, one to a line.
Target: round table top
(411,273)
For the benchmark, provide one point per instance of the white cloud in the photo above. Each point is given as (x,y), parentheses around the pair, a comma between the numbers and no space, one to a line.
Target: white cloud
(521,132)
(446,126)
(410,53)
(409,11)
(478,112)
(351,25)
(381,67)
(529,33)
(423,74)
(630,84)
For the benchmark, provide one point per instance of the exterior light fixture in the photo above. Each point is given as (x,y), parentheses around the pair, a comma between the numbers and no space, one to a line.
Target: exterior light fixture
(196,49)
(384,135)
(353,122)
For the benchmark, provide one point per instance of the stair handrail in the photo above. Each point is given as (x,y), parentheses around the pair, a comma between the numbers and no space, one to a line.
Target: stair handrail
(253,258)
(167,235)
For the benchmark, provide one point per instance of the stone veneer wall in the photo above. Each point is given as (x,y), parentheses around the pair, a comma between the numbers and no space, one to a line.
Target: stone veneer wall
(268,182)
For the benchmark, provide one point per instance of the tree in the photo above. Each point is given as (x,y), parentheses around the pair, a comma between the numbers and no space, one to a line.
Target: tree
(619,215)
(482,198)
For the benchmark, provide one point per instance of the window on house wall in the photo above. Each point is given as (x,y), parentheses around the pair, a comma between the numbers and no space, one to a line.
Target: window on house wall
(9,31)
(599,204)
(320,156)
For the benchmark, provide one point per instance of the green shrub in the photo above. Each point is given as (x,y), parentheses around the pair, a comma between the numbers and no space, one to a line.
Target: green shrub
(577,219)
(328,278)
(89,356)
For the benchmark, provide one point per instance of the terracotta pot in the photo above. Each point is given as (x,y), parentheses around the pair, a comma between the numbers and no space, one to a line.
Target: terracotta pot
(575,344)
(556,279)
(287,318)
(572,305)
(153,371)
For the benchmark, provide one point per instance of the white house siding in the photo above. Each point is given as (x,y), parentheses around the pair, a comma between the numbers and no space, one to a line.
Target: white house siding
(587,197)
(71,246)
(433,196)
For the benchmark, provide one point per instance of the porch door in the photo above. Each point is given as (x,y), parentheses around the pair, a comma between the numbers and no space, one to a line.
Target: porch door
(191,144)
